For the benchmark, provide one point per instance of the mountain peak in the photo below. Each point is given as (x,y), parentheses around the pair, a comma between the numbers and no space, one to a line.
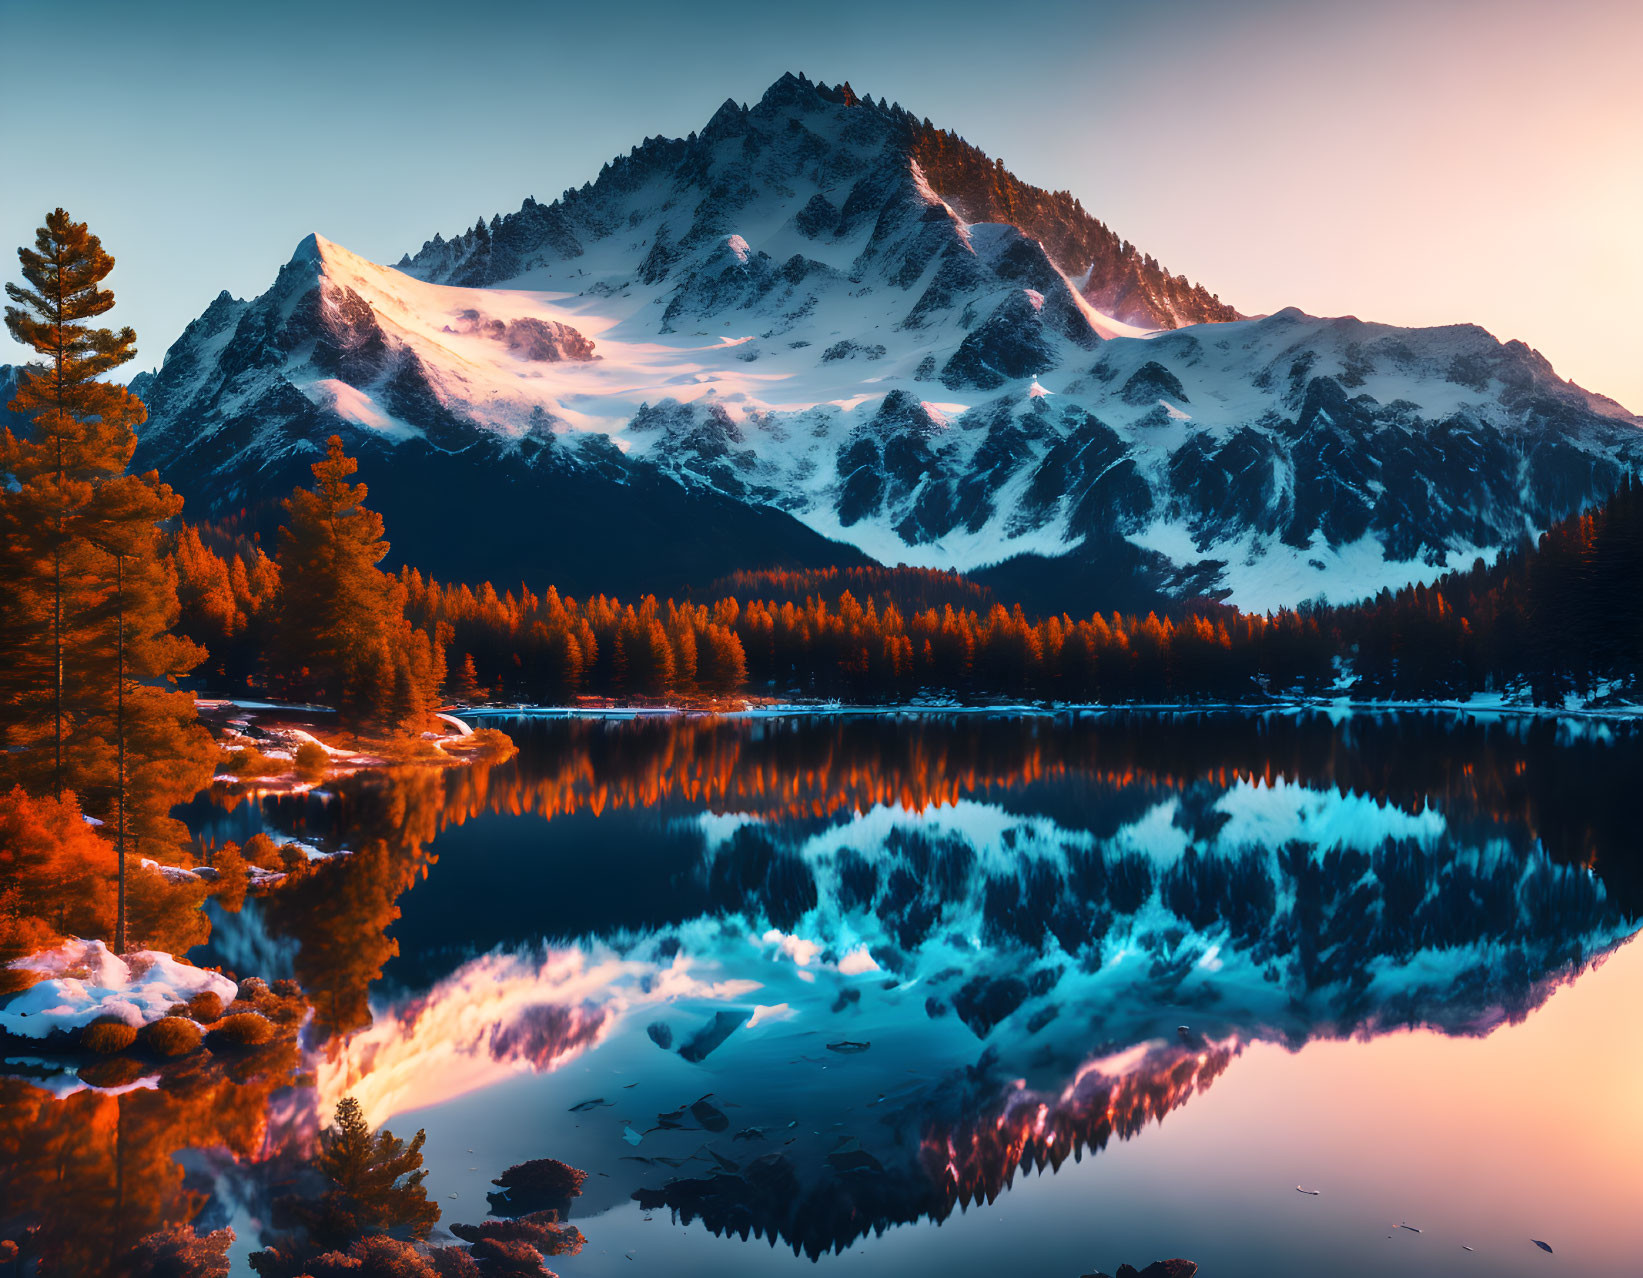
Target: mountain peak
(763,314)
(859,151)
(729,120)
(310,250)
(793,91)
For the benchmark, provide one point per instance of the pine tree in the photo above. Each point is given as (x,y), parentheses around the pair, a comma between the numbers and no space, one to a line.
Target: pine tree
(373,1185)
(464,687)
(89,646)
(342,637)
(141,749)
(722,664)
(76,424)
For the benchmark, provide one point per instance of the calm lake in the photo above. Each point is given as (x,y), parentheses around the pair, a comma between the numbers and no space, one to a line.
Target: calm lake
(974,994)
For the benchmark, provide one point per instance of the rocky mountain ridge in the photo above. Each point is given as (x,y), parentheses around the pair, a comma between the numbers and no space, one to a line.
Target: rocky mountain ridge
(821,330)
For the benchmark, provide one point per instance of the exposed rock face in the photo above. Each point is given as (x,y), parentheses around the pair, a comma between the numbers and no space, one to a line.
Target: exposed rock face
(822,316)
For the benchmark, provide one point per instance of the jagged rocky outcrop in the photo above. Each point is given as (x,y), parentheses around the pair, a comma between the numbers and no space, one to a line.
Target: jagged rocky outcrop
(822,320)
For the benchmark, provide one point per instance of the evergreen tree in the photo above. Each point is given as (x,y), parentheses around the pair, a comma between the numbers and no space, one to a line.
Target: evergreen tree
(342,637)
(141,750)
(77,426)
(372,1185)
(464,687)
(722,665)
(88,646)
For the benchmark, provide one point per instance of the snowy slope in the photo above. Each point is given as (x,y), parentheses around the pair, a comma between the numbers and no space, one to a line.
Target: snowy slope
(788,313)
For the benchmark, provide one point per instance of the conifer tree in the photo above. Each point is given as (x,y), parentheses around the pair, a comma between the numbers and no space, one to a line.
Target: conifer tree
(464,687)
(77,425)
(88,650)
(372,1185)
(342,637)
(140,749)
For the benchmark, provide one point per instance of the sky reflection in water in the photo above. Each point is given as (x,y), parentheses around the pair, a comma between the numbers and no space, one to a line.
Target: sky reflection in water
(833,982)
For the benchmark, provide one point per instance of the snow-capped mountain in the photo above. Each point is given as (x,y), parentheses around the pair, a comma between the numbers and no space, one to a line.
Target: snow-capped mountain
(821,329)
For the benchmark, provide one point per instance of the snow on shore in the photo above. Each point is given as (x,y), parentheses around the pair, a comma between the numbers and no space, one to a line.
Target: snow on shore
(84,981)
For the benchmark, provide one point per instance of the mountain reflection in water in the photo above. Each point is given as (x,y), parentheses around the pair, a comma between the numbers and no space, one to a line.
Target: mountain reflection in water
(844,973)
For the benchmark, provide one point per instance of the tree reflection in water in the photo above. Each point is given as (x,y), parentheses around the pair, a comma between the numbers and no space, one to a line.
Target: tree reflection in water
(1016,912)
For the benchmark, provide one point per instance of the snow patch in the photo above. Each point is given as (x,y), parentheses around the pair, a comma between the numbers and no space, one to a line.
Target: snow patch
(857,962)
(354,405)
(764,1014)
(801,951)
(85,981)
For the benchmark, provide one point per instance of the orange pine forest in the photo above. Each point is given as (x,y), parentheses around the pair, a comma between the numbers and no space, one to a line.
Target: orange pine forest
(1551,618)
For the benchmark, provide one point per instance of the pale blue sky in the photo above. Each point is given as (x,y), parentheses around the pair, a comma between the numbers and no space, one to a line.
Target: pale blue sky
(1422,162)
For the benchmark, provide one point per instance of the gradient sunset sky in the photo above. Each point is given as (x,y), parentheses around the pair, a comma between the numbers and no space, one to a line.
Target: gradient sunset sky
(1414,162)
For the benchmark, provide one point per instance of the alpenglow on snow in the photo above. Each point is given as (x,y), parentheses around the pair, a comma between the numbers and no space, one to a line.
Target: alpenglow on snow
(821,330)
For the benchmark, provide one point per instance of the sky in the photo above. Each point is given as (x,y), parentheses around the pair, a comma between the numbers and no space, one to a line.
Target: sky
(1424,162)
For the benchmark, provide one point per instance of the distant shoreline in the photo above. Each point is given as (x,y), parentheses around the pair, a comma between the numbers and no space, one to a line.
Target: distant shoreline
(1024,709)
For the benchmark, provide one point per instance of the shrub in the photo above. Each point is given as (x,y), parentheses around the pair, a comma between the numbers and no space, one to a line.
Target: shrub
(259,850)
(312,760)
(492,744)
(284,1010)
(540,1229)
(111,1071)
(233,879)
(179,1251)
(408,750)
(206,1006)
(171,1036)
(531,1187)
(107,1035)
(453,1262)
(243,1029)
(377,1256)
(509,1256)
(251,762)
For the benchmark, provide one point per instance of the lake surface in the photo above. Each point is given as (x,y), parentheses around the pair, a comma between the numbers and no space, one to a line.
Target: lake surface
(967,994)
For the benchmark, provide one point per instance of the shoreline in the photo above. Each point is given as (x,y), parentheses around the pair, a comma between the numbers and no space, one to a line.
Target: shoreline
(1344,707)
(270,735)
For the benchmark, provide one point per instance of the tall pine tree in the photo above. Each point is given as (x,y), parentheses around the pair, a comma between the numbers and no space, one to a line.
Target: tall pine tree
(86,647)
(342,637)
(75,421)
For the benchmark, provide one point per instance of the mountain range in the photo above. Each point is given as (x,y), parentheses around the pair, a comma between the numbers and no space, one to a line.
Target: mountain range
(823,331)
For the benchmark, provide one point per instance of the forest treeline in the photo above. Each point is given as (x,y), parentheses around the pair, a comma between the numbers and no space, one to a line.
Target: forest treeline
(99,735)
(1557,616)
